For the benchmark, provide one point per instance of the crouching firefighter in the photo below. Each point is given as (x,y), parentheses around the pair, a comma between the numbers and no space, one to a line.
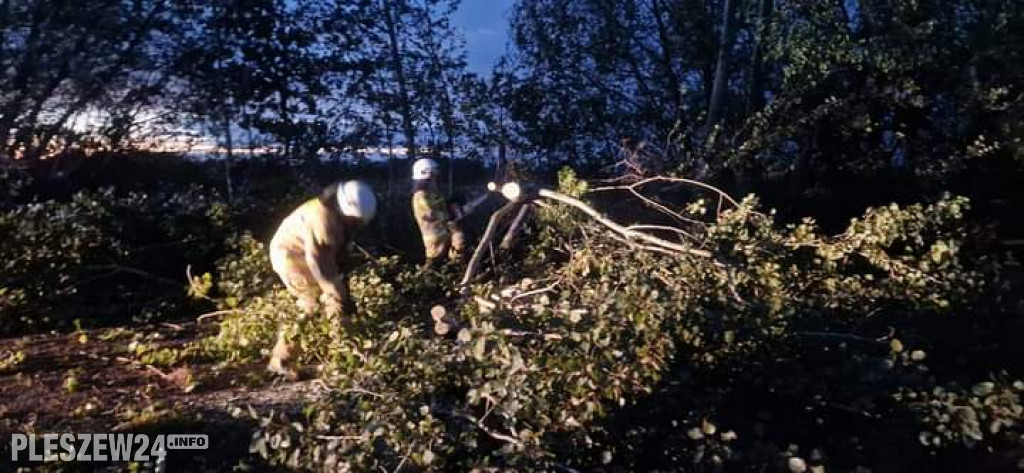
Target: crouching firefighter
(308,252)
(436,216)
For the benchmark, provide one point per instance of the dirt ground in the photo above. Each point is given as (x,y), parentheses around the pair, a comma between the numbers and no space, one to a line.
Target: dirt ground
(88,381)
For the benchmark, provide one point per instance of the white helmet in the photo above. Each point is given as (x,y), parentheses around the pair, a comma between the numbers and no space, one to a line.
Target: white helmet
(356,199)
(423,169)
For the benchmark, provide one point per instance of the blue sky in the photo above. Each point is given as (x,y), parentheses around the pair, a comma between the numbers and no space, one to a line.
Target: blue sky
(485,26)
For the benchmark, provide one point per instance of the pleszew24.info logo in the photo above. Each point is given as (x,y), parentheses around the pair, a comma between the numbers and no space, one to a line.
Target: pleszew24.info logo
(106,447)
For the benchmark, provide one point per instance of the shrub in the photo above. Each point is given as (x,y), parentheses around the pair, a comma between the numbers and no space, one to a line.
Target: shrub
(102,257)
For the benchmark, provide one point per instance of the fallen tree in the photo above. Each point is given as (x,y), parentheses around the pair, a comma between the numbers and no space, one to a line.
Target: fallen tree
(644,346)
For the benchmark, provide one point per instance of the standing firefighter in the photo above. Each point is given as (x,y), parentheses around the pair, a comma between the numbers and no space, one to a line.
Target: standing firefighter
(435,216)
(307,253)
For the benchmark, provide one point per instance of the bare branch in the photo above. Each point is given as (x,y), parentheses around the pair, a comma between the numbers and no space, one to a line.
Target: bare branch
(218,313)
(534,292)
(363,391)
(841,336)
(624,231)
(678,180)
(117,268)
(679,231)
(520,333)
(483,428)
(651,203)
(514,227)
(485,242)
(342,437)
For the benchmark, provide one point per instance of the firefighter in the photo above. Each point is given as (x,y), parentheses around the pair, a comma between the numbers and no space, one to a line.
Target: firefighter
(308,252)
(436,216)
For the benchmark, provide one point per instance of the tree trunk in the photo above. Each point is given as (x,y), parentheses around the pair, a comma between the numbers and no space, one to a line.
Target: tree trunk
(755,100)
(448,122)
(448,117)
(101,80)
(500,170)
(447,107)
(5,19)
(666,61)
(286,121)
(23,75)
(251,144)
(876,16)
(229,155)
(391,20)
(721,81)
(632,47)
(392,173)
(451,168)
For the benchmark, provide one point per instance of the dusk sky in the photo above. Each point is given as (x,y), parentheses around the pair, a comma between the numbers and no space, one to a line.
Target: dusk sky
(485,25)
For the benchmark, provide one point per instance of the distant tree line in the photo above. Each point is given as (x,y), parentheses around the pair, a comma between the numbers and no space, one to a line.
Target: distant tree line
(751,87)
(304,75)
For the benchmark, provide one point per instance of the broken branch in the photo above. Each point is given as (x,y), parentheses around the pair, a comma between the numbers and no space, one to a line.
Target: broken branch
(626,232)
(513,229)
(485,241)
(679,180)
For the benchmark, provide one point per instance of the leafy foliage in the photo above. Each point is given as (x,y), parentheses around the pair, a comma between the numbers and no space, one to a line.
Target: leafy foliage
(119,255)
(817,92)
(562,361)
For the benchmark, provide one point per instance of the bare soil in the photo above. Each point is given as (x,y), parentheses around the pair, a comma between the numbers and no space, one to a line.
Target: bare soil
(88,381)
